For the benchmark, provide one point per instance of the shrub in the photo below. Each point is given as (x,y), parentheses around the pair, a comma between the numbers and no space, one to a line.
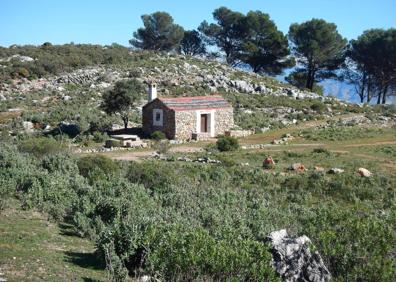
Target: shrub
(41,146)
(227,143)
(97,166)
(162,146)
(321,151)
(100,137)
(318,107)
(113,143)
(157,135)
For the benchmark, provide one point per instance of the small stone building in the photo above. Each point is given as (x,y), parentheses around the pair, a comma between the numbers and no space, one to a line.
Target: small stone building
(186,118)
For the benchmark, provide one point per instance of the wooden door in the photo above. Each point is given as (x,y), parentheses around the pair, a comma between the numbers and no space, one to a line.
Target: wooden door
(204,123)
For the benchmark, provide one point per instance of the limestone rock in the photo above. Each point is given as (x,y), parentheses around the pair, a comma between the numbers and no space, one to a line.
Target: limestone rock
(298,167)
(335,170)
(293,260)
(364,172)
(28,126)
(319,169)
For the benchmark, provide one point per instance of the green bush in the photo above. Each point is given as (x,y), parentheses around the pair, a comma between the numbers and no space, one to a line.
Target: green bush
(318,107)
(41,146)
(112,143)
(227,143)
(157,135)
(97,166)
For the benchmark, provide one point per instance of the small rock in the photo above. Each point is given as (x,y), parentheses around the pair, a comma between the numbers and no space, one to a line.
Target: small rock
(364,172)
(298,167)
(335,170)
(319,169)
(268,162)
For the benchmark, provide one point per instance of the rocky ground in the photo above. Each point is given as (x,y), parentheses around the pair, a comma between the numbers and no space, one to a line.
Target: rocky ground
(168,72)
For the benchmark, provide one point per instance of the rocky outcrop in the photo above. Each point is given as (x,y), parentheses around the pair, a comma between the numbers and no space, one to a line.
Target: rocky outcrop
(169,71)
(293,259)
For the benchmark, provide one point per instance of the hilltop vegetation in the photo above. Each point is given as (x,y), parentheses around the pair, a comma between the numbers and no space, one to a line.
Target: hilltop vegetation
(184,220)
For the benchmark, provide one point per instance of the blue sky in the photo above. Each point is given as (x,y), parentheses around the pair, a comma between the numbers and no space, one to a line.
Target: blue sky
(105,22)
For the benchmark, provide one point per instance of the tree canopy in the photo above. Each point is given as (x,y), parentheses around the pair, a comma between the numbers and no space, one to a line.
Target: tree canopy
(318,48)
(373,64)
(121,98)
(227,34)
(159,33)
(192,43)
(265,49)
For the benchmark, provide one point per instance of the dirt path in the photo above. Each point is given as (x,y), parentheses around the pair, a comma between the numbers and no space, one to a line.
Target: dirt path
(135,156)
(372,144)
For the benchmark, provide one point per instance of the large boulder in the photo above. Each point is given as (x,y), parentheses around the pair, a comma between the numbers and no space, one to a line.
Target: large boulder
(293,259)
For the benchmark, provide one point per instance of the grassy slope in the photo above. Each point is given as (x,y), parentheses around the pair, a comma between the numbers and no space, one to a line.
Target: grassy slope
(34,249)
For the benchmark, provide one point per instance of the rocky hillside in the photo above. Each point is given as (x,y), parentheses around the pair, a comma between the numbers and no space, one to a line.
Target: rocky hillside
(74,96)
(169,71)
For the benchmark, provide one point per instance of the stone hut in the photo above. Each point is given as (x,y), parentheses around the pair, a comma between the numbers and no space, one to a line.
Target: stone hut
(187,118)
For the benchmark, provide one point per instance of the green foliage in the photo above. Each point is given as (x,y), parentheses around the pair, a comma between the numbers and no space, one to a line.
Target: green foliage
(121,98)
(319,47)
(162,146)
(41,146)
(56,59)
(157,135)
(265,48)
(298,78)
(373,63)
(197,255)
(226,34)
(159,33)
(190,221)
(227,143)
(192,44)
(319,107)
(96,166)
(338,133)
(113,143)
(321,151)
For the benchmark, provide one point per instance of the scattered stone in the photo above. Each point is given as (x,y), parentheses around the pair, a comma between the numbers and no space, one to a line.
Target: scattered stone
(364,172)
(144,278)
(298,167)
(268,162)
(184,159)
(294,261)
(28,126)
(319,169)
(335,170)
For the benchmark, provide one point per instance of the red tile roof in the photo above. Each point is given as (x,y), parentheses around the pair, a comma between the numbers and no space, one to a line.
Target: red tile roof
(195,103)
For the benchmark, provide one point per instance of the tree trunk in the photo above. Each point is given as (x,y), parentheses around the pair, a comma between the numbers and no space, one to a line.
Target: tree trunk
(384,95)
(308,82)
(363,88)
(369,91)
(125,122)
(379,97)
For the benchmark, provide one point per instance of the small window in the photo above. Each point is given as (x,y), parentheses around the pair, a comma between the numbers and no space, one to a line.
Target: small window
(158,117)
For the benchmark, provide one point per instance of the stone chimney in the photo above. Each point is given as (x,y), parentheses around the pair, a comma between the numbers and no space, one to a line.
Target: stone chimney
(152,92)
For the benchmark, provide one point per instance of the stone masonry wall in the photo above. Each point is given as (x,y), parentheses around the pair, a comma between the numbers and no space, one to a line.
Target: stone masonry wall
(224,120)
(186,124)
(168,127)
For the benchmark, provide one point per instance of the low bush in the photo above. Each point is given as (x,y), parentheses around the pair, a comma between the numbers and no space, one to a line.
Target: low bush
(41,146)
(157,135)
(227,143)
(94,167)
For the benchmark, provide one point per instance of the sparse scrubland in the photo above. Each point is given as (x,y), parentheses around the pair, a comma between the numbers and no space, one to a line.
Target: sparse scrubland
(183,221)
